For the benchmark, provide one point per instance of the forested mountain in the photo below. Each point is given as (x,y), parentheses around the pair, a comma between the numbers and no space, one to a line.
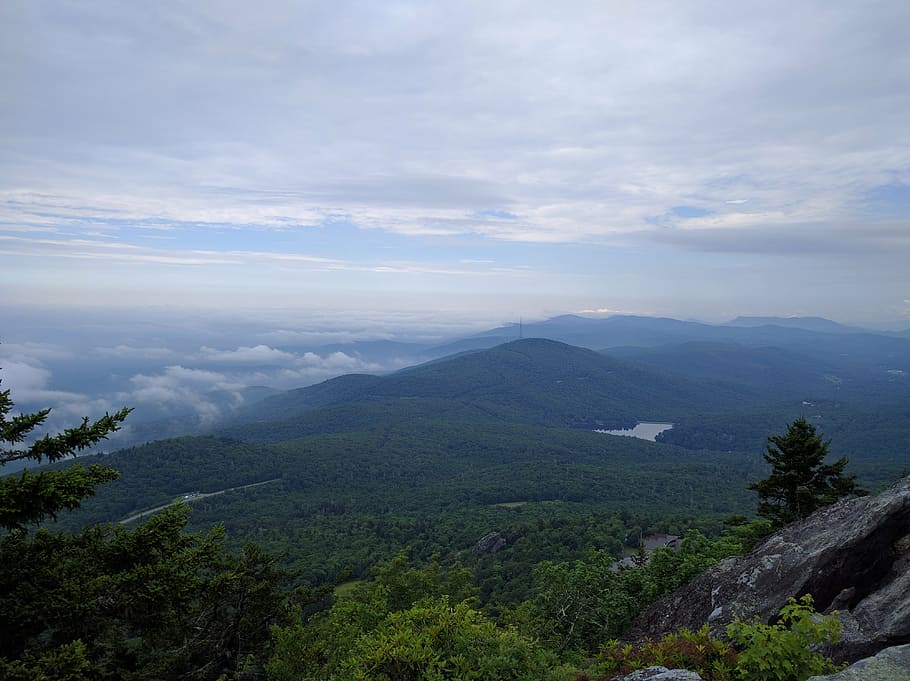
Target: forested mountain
(720,395)
(775,359)
(808,323)
(774,371)
(857,399)
(622,330)
(535,381)
(441,454)
(854,370)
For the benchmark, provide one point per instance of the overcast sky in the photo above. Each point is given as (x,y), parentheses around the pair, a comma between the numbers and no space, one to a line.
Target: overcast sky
(495,159)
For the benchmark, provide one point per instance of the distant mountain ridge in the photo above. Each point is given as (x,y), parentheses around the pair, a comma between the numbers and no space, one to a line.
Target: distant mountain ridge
(846,349)
(785,372)
(638,331)
(808,323)
(720,394)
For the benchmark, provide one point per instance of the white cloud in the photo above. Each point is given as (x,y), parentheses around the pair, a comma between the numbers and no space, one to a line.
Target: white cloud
(302,364)
(583,120)
(26,376)
(24,379)
(607,311)
(211,394)
(184,389)
(259,354)
(34,352)
(30,383)
(425,124)
(336,362)
(177,377)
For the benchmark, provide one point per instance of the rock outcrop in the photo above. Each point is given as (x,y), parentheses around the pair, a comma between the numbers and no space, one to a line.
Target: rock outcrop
(853,557)
(891,664)
(490,543)
(661,674)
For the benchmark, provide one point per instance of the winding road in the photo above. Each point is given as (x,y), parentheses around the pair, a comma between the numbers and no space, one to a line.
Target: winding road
(190,497)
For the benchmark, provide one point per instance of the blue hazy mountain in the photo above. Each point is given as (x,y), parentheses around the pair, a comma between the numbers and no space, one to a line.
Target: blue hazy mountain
(772,369)
(807,323)
(843,348)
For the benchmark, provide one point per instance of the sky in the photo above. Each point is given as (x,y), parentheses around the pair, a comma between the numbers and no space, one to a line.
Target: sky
(496,159)
(380,169)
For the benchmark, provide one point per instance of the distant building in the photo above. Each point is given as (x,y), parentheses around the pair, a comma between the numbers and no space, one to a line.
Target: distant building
(661,541)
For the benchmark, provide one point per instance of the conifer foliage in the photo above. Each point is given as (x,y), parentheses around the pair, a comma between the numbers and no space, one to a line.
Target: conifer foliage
(800,481)
(155,602)
(30,498)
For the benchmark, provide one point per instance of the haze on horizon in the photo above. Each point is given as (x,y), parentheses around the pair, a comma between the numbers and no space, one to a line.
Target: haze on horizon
(489,160)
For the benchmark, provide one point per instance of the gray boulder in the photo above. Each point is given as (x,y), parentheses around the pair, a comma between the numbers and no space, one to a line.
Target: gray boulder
(661,674)
(853,557)
(490,543)
(891,664)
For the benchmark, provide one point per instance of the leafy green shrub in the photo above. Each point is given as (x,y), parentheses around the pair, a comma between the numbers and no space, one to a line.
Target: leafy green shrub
(318,646)
(433,641)
(784,651)
(714,660)
(586,602)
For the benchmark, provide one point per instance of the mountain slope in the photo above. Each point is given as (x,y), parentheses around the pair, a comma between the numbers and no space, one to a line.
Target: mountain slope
(349,499)
(799,334)
(807,323)
(782,373)
(534,381)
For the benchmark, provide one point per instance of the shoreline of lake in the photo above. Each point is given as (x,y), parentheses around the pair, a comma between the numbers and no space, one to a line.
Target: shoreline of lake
(646,430)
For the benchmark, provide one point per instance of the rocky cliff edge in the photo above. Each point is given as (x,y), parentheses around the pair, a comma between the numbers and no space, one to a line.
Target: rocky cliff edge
(852,557)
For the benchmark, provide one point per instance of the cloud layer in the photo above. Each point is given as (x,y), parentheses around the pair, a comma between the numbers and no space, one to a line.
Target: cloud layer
(185,372)
(361,148)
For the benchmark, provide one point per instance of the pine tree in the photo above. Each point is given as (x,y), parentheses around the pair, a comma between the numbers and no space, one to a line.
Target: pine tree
(154,602)
(800,481)
(30,498)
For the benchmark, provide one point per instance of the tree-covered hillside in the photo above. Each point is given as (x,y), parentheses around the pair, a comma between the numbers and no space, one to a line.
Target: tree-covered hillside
(349,499)
(535,381)
(437,456)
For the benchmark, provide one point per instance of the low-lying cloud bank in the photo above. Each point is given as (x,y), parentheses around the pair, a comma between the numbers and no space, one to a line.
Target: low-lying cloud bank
(172,391)
(213,392)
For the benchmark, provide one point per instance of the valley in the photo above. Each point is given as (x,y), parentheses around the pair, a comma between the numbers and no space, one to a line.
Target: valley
(514,439)
(522,467)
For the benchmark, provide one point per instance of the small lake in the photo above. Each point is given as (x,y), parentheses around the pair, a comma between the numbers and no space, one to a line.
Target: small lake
(643,431)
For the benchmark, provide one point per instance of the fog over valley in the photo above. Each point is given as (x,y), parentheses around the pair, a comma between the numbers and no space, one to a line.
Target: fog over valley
(197,367)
